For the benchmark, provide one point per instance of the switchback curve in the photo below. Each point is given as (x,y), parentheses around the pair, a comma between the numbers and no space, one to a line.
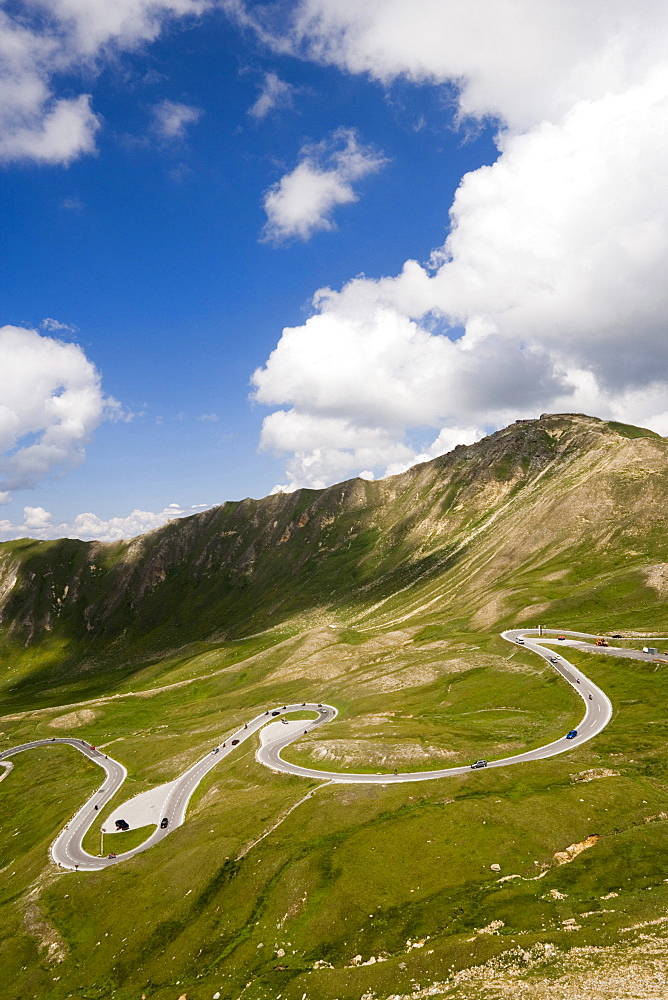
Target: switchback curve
(67,849)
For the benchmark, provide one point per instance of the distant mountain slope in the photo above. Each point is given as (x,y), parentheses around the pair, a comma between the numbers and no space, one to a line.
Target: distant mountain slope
(565,514)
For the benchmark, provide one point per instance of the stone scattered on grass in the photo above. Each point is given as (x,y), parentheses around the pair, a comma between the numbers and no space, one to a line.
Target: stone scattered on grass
(555,894)
(416,944)
(492,928)
(597,973)
(656,818)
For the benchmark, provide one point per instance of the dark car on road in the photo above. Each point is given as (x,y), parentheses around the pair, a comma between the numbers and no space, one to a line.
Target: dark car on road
(122,825)
(234,742)
(275,713)
(479,763)
(164,823)
(571,736)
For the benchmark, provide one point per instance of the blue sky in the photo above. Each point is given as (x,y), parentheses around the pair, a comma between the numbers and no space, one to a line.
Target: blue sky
(178,221)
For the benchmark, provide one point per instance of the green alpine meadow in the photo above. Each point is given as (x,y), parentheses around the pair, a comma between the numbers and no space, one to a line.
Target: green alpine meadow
(386,599)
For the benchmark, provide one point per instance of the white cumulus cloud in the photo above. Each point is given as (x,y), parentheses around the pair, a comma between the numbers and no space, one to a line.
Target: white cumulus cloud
(519,61)
(302,202)
(51,401)
(37,519)
(550,291)
(39,523)
(45,41)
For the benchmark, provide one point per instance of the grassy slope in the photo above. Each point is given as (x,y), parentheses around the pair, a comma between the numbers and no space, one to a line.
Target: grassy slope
(482,527)
(363,871)
(417,858)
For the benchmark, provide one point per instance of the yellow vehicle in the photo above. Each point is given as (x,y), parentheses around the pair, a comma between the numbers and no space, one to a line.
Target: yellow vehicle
(602,642)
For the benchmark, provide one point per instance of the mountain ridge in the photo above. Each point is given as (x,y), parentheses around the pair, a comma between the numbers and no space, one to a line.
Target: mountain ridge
(248,565)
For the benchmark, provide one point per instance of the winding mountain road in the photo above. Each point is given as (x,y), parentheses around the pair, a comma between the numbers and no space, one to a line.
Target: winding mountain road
(67,850)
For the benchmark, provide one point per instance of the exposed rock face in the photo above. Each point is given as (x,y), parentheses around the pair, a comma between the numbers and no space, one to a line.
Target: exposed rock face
(572,851)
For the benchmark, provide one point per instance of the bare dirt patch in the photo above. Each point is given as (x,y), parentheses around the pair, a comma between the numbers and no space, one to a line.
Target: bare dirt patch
(51,945)
(379,719)
(532,611)
(657,578)
(571,852)
(594,773)
(490,613)
(83,717)
(400,679)
(322,656)
(360,752)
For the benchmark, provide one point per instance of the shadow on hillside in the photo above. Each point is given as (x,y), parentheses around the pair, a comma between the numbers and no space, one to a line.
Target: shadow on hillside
(191,611)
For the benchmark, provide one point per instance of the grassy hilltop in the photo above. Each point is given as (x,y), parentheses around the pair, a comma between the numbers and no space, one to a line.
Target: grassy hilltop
(386,598)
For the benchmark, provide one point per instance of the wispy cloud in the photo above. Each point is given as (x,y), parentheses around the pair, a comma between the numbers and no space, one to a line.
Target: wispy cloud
(171,119)
(55,326)
(275,95)
(72,204)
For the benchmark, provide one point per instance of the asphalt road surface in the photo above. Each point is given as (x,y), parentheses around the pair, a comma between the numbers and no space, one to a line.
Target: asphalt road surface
(67,849)
(598,712)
